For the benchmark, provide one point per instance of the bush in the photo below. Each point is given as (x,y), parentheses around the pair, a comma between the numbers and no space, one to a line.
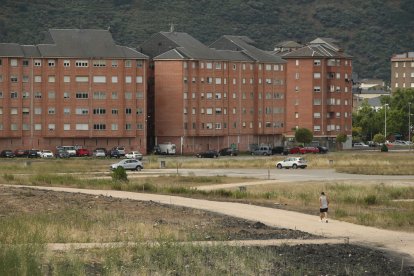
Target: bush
(370,200)
(119,174)
(384,148)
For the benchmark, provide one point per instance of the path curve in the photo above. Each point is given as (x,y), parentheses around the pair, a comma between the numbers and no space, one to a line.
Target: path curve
(394,241)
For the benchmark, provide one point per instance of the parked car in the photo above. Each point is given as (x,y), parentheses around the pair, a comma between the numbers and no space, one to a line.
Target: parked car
(128,164)
(120,149)
(114,153)
(229,151)
(280,150)
(134,155)
(322,150)
(99,153)
(33,153)
(104,150)
(20,153)
(7,154)
(262,150)
(46,154)
(292,162)
(208,154)
(70,149)
(360,145)
(303,150)
(61,153)
(82,152)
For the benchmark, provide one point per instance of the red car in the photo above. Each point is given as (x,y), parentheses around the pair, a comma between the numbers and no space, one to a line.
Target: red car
(82,152)
(303,150)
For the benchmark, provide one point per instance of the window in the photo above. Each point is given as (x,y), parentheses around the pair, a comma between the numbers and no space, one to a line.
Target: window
(128,79)
(82,127)
(139,95)
(99,126)
(13,78)
(82,95)
(99,95)
(139,63)
(38,79)
(81,63)
(114,95)
(25,63)
(25,95)
(316,115)
(128,126)
(317,62)
(114,63)
(66,79)
(128,96)
(297,62)
(128,111)
(99,63)
(25,111)
(316,75)
(338,76)
(114,79)
(1,78)
(316,101)
(99,79)
(82,79)
(37,63)
(13,62)
(114,111)
(13,95)
(268,67)
(218,110)
(209,65)
(139,79)
(185,111)
(37,127)
(218,80)
(51,63)
(209,125)
(51,79)
(316,128)
(13,111)
(66,63)
(38,110)
(13,127)
(51,95)
(38,95)
(209,111)
(218,65)
(218,96)
(209,95)
(66,95)
(316,89)
(140,111)
(51,110)
(297,76)
(82,111)
(218,125)
(66,127)
(99,111)
(114,126)
(66,110)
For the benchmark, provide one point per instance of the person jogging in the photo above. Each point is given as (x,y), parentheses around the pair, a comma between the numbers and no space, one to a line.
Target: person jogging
(323,207)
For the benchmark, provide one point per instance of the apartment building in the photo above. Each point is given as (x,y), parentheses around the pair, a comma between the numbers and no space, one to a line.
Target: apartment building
(402,71)
(319,91)
(228,94)
(77,88)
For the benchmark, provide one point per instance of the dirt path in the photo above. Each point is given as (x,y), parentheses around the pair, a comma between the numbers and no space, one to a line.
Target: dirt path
(393,241)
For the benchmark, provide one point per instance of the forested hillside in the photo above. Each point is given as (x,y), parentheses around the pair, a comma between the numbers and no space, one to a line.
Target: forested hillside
(370,30)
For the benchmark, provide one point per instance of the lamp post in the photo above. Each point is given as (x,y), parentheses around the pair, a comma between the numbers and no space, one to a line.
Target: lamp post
(409,124)
(385,122)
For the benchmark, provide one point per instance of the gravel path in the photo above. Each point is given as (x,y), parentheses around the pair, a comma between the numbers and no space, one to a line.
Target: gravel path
(392,241)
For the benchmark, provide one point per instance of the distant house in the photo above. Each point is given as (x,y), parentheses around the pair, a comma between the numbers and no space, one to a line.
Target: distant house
(369,90)
(287,46)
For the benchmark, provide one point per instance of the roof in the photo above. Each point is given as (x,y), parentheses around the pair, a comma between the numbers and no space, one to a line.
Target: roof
(188,46)
(288,44)
(244,44)
(328,42)
(79,43)
(315,50)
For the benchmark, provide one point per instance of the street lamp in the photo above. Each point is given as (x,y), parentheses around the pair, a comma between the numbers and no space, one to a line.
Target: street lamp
(409,122)
(385,121)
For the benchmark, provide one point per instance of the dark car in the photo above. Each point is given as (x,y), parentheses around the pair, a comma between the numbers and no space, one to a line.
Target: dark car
(33,154)
(114,153)
(61,153)
(322,150)
(20,153)
(280,150)
(228,151)
(7,154)
(208,154)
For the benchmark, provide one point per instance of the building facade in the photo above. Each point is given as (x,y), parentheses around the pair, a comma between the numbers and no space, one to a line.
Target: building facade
(228,94)
(402,71)
(78,88)
(319,91)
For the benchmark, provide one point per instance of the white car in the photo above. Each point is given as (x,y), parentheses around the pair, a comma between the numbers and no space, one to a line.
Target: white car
(128,164)
(99,153)
(360,145)
(134,155)
(46,154)
(292,162)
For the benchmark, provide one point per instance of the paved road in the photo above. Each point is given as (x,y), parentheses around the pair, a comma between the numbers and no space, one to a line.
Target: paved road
(394,241)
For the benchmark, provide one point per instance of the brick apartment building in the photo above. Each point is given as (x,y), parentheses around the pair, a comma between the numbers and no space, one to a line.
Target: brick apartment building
(319,91)
(228,94)
(78,88)
(402,71)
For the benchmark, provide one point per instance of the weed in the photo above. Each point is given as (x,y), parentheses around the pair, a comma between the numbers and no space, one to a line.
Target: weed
(8,177)
(119,174)
(371,200)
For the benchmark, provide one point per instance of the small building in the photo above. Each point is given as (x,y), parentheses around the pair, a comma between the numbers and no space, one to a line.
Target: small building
(402,71)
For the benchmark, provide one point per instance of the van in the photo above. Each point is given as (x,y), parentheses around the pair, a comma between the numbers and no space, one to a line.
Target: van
(262,150)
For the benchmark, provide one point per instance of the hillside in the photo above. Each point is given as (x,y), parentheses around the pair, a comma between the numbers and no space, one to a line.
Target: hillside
(370,30)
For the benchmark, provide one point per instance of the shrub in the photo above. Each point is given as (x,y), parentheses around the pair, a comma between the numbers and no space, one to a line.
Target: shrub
(8,177)
(384,148)
(370,199)
(119,174)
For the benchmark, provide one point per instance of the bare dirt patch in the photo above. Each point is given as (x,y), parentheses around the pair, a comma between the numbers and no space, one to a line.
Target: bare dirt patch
(201,225)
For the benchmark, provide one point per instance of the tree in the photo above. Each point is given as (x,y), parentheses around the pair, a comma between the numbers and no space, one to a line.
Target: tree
(341,138)
(303,135)
(379,138)
(119,174)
